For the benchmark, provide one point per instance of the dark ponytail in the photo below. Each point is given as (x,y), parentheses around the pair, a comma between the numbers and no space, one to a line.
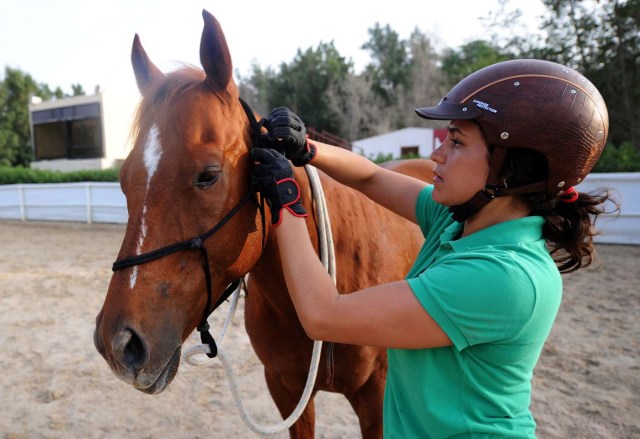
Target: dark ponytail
(569,226)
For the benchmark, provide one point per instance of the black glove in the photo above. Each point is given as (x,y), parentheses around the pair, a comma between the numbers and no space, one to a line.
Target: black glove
(287,134)
(273,178)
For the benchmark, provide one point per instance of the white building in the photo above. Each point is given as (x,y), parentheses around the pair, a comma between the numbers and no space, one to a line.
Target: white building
(81,132)
(407,141)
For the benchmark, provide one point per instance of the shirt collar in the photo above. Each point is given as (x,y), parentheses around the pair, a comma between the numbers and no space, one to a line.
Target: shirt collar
(516,231)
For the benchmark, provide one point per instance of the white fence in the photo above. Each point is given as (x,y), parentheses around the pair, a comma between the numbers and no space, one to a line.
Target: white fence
(104,202)
(625,228)
(83,202)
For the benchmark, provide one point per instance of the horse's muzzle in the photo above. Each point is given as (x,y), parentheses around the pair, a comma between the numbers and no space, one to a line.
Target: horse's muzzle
(127,354)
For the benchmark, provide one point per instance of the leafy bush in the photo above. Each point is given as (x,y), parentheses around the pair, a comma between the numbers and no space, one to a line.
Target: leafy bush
(382,158)
(14,175)
(623,158)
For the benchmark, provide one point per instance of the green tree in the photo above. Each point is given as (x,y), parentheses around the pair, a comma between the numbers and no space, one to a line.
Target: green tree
(390,68)
(307,84)
(77,90)
(16,89)
(623,158)
(459,63)
(363,113)
(427,82)
(404,74)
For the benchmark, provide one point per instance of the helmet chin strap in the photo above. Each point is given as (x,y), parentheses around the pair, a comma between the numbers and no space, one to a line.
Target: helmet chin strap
(464,211)
(491,189)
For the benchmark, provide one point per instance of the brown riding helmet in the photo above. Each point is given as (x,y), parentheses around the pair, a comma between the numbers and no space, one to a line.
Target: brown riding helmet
(534,104)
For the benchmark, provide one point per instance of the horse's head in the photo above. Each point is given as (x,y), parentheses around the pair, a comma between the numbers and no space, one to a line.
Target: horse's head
(188,169)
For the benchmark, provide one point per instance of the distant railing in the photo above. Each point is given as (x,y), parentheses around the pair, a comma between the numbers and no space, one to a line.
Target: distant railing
(625,228)
(331,139)
(81,202)
(105,203)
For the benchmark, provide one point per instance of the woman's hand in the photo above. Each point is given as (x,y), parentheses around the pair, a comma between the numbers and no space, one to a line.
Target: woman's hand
(273,178)
(287,134)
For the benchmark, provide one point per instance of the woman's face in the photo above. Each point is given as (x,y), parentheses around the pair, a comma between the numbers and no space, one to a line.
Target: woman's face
(462,164)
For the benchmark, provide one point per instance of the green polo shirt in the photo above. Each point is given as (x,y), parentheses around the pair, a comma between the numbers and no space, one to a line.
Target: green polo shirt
(495,293)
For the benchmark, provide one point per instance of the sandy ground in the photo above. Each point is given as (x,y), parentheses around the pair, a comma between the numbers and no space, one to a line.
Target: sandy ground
(54,384)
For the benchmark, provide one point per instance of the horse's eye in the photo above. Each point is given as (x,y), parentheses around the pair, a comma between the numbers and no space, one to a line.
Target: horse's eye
(207,177)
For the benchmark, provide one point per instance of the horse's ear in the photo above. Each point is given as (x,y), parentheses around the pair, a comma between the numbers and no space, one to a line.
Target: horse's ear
(214,54)
(144,69)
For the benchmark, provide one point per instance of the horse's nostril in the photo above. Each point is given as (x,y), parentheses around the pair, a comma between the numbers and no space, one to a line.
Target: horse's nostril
(134,351)
(131,349)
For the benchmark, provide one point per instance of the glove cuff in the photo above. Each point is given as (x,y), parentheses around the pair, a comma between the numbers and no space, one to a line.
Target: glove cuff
(289,196)
(306,155)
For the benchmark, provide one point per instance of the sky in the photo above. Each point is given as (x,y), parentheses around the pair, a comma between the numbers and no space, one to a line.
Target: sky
(88,42)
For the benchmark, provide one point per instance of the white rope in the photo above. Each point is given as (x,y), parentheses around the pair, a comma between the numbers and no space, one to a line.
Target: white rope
(327,256)
(189,354)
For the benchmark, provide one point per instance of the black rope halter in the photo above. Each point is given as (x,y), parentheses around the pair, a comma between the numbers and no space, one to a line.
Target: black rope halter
(198,243)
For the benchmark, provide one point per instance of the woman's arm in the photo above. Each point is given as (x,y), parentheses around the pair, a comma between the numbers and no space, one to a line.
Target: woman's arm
(387,315)
(395,191)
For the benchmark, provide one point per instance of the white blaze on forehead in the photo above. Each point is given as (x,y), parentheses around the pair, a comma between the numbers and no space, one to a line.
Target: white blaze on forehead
(152,152)
(151,156)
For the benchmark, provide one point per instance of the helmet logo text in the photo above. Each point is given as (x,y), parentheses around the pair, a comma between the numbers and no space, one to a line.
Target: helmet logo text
(484,106)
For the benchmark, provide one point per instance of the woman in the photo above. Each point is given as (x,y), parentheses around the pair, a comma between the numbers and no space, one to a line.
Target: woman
(465,329)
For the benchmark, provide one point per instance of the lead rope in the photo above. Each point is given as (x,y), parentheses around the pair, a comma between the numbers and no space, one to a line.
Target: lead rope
(327,256)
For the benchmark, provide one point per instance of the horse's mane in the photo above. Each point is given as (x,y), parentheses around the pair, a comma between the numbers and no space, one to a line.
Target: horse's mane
(166,91)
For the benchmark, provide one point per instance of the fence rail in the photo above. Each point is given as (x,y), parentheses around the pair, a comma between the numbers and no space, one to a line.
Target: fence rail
(325,137)
(83,202)
(104,202)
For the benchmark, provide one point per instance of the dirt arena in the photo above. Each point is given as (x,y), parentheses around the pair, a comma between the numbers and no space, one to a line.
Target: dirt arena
(54,384)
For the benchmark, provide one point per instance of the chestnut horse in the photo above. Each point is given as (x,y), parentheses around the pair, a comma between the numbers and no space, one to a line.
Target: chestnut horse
(189,168)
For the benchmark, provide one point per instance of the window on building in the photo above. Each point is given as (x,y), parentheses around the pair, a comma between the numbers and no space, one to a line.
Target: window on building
(50,141)
(85,139)
(73,132)
(409,152)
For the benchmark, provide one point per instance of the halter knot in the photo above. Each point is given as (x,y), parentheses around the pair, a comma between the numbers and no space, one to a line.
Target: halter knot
(197,243)
(204,326)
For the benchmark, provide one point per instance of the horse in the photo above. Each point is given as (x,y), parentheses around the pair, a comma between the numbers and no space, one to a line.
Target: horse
(189,170)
